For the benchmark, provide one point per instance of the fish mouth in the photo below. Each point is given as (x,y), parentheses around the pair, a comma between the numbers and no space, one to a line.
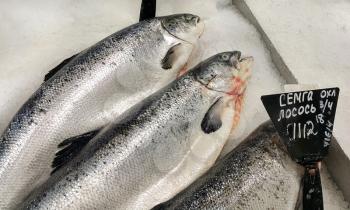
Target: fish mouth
(199,31)
(200,27)
(242,71)
(239,86)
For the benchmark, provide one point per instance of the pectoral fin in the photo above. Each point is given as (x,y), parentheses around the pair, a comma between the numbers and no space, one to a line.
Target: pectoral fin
(57,68)
(212,119)
(170,57)
(70,148)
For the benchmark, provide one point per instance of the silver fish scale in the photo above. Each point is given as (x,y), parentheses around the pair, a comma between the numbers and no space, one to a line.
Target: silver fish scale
(258,174)
(73,102)
(121,163)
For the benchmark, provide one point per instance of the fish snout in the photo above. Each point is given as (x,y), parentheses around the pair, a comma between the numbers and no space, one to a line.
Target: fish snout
(186,27)
(245,67)
(200,26)
(239,81)
(234,60)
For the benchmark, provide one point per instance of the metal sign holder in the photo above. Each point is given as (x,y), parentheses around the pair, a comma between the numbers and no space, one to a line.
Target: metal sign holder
(305,120)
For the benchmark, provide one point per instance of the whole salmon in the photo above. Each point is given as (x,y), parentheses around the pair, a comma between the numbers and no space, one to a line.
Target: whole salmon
(87,91)
(157,148)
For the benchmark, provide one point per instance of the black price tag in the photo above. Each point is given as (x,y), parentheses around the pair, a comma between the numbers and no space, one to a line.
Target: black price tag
(304,120)
(148,9)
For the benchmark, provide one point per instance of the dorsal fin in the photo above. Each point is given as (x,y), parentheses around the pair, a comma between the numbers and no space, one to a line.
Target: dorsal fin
(70,148)
(57,68)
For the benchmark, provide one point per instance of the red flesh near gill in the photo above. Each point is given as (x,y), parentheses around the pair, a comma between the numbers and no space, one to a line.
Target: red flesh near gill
(236,87)
(237,99)
(238,109)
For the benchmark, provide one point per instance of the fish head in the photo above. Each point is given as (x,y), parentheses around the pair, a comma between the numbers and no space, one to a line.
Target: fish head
(226,73)
(186,27)
(168,58)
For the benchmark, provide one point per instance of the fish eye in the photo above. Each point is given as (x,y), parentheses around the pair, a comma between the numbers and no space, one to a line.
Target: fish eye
(225,57)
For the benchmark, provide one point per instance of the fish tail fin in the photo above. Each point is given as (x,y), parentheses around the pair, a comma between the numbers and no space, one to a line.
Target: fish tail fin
(70,148)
